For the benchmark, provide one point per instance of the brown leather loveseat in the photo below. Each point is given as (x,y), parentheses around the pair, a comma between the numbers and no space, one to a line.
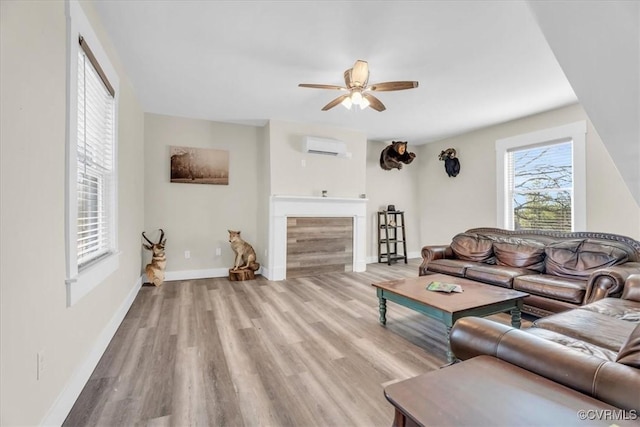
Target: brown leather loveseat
(559,271)
(593,349)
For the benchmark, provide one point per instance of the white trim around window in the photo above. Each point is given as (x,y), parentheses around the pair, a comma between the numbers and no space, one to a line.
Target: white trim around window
(577,133)
(80,282)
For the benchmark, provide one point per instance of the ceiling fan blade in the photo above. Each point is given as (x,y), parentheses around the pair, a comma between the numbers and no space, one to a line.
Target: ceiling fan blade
(374,102)
(347,78)
(388,86)
(360,73)
(314,86)
(335,102)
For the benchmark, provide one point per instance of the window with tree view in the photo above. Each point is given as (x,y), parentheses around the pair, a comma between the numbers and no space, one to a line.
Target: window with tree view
(540,187)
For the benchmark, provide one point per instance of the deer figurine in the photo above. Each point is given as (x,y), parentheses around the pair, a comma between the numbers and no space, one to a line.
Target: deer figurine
(155,269)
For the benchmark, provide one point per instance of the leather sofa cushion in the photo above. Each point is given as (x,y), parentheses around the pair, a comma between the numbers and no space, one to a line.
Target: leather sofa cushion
(520,253)
(581,324)
(452,267)
(558,288)
(578,258)
(542,306)
(576,344)
(630,351)
(495,274)
(471,247)
(616,307)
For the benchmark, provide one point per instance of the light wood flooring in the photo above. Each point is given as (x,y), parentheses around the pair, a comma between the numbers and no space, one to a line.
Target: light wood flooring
(302,352)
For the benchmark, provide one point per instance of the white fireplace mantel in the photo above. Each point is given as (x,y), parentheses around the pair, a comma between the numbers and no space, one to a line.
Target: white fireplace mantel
(282,207)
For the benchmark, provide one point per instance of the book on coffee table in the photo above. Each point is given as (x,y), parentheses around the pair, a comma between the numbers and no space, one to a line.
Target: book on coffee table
(443,287)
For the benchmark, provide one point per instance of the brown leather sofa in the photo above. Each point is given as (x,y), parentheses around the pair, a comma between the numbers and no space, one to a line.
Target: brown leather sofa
(559,271)
(594,349)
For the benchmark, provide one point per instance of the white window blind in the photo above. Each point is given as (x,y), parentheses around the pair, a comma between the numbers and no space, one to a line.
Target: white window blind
(540,187)
(95,164)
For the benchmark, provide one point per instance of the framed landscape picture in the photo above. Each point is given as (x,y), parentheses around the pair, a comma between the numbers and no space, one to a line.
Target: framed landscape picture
(199,165)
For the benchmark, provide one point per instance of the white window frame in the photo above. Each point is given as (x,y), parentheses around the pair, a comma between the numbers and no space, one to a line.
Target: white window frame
(80,282)
(576,132)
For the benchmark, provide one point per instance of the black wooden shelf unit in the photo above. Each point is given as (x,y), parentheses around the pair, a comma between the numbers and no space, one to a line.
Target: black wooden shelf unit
(392,243)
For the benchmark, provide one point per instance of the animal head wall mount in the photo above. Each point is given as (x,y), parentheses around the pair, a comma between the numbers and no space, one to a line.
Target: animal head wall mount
(394,155)
(155,269)
(451,162)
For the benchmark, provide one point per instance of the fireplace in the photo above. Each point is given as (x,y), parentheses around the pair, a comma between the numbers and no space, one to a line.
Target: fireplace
(284,207)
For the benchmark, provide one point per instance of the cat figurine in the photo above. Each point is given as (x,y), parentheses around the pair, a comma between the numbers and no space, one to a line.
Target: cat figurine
(394,155)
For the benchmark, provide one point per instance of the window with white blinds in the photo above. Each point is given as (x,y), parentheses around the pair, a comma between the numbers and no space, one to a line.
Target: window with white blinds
(541,179)
(540,187)
(95,164)
(91,223)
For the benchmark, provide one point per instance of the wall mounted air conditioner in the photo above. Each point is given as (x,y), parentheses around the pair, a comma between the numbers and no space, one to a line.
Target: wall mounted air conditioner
(326,146)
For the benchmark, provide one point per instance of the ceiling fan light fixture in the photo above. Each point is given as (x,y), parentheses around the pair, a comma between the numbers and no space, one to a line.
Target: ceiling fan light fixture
(356,97)
(358,91)
(364,103)
(347,103)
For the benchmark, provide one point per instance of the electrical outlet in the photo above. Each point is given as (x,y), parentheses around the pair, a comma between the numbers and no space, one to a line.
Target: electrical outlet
(265,252)
(187,254)
(218,251)
(39,365)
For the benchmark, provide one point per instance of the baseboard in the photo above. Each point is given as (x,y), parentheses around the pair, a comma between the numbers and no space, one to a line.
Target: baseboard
(264,271)
(63,404)
(195,274)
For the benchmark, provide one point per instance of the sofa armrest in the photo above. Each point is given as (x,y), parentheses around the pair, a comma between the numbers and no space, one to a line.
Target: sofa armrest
(632,288)
(608,381)
(609,282)
(430,253)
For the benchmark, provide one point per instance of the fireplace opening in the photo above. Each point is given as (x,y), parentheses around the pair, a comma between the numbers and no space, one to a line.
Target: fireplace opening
(319,245)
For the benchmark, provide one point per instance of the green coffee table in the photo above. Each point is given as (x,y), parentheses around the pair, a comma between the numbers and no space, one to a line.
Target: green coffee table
(476,300)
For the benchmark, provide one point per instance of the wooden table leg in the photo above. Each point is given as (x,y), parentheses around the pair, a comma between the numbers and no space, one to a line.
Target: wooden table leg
(399,419)
(450,356)
(382,306)
(516,316)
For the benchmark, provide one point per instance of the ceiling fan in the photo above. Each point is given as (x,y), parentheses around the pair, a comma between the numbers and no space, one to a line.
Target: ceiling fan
(356,81)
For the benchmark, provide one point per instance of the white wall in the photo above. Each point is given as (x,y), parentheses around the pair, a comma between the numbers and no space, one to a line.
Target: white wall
(603,67)
(34,315)
(196,217)
(394,187)
(341,177)
(451,205)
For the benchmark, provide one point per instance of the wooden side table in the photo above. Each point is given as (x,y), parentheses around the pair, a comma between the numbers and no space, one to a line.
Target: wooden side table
(485,391)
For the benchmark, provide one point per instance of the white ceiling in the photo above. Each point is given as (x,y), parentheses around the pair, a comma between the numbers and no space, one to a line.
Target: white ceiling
(478,62)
